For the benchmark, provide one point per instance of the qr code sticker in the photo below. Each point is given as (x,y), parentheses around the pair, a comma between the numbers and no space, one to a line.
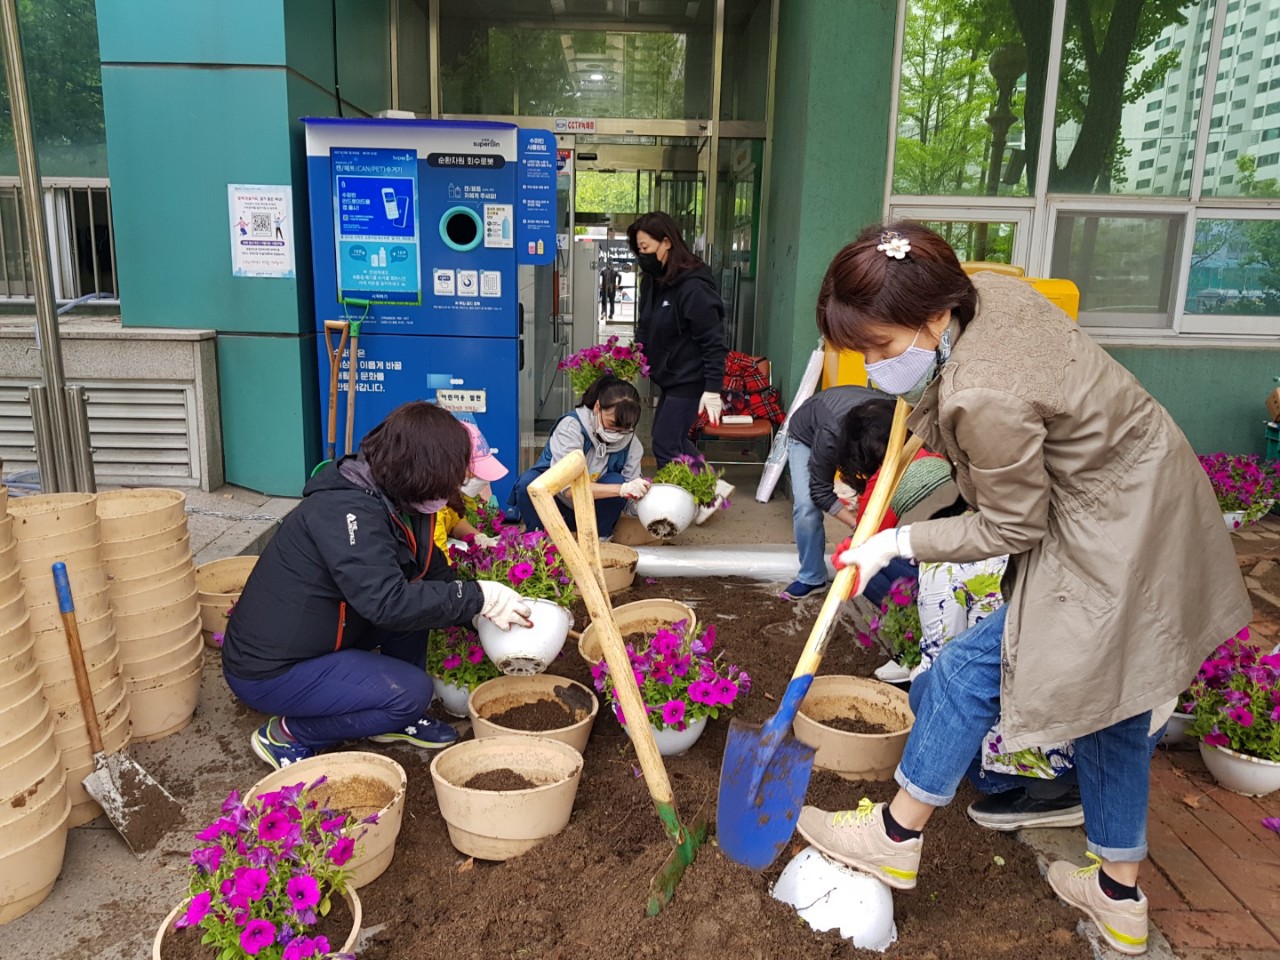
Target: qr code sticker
(261,225)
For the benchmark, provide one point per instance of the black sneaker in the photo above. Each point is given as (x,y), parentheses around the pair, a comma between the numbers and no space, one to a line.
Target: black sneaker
(1016,809)
(428,733)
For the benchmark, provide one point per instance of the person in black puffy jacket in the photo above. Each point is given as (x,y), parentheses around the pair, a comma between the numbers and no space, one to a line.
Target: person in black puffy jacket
(354,568)
(681,325)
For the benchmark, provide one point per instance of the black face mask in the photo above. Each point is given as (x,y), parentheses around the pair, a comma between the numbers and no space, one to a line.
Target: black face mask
(650,263)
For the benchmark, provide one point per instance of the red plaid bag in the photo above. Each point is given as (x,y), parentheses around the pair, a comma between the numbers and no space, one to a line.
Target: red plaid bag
(746,392)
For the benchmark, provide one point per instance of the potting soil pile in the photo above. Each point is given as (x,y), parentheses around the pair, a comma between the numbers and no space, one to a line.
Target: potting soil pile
(581,895)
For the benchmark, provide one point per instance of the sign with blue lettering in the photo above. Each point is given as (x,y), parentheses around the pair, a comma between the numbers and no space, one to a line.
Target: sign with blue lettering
(536,198)
(375,196)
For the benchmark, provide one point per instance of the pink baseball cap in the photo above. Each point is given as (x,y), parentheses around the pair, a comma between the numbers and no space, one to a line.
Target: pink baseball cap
(483,463)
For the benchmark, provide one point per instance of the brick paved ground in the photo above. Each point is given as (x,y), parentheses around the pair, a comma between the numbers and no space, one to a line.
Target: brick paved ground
(1213,876)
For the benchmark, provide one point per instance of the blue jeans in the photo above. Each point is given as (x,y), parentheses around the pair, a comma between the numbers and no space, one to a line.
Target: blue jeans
(959,704)
(608,509)
(806,518)
(348,694)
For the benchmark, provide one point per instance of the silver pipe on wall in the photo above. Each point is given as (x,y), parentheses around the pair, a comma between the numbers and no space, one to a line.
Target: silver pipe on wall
(81,449)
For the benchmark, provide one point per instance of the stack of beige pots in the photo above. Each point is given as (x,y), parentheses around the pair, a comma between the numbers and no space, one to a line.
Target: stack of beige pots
(151,581)
(33,795)
(220,583)
(64,526)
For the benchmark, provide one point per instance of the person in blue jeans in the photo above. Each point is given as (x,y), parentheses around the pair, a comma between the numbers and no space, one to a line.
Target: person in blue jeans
(813,459)
(1084,481)
(603,427)
(353,569)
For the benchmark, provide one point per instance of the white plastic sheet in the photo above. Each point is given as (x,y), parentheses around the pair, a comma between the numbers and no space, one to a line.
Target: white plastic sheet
(775,562)
(777,461)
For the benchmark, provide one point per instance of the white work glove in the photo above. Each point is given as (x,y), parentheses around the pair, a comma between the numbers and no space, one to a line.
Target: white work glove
(844,493)
(486,541)
(874,555)
(711,404)
(503,606)
(635,489)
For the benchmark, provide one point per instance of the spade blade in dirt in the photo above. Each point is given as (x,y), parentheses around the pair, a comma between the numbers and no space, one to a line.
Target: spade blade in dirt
(137,806)
(763,779)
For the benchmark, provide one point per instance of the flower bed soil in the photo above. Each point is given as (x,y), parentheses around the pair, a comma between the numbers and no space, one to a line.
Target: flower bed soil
(581,895)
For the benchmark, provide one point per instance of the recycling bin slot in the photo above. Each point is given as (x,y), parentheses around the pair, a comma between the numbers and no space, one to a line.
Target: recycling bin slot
(460,229)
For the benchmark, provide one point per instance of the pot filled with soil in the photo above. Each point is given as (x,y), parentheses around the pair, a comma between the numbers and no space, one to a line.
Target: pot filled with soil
(341,927)
(540,705)
(219,584)
(364,783)
(501,796)
(858,726)
(666,510)
(619,563)
(527,650)
(637,621)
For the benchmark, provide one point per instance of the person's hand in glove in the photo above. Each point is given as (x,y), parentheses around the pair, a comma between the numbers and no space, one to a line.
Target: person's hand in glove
(486,541)
(635,489)
(711,404)
(874,555)
(503,606)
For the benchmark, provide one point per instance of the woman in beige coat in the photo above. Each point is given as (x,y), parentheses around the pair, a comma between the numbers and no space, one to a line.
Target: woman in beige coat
(1121,575)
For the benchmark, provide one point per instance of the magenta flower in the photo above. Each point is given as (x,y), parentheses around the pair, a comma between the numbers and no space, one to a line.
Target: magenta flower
(1216,738)
(1241,716)
(475,654)
(197,909)
(520,572)
(333,825)
(273,826)
(256,935)
(342,851)
(251,883)
(452,662)
(726,691)
(223,825)
(1272,823)
(302,891)
(673,713)
(207,859)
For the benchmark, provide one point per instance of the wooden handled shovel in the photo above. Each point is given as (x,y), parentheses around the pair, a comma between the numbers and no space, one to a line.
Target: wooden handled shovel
(582,556)
(137,806)
(335,365)
(765,771)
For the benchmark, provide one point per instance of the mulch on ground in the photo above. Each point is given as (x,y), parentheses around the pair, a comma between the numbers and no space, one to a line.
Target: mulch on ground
(581,895)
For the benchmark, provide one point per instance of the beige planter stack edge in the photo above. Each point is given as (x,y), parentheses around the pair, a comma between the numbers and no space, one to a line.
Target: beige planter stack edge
(151,581)
(219,584)
(64,526)
(33,797)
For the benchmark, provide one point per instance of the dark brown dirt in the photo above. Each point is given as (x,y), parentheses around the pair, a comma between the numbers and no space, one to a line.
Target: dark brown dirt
(852,725)
(500,779)
(581,894)
(185,944)
(538,715)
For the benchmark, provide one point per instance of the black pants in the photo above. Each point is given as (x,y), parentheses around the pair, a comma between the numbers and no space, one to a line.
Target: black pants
(671,423)
(607,301)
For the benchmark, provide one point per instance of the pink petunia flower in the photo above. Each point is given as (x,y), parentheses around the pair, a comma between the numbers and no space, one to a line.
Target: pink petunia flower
(302,891)
(256,935)
(197,909)
(273,826)
(673,714)
(520,572)
(342,851)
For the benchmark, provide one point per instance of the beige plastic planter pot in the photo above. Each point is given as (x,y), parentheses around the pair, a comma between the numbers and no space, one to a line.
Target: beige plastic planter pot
(32,795)
(155,562)
(619,562)
(122,587)
(136,546)
(353,903)
(638,616)
(364,783)
(6,529)
(127,514)
(163,703)
(15,744)
(27,874)
(10,581)
(504,693)
(51,643)
(85,582)
(160,595)
(44,515)
(139,660)
(46,618)
(219,584)
(4,499)
(17,654)
(13,613)
(158,642)
(78,541)
(58,678)
(854,756)
(157,619)
(500,824)
(23,710)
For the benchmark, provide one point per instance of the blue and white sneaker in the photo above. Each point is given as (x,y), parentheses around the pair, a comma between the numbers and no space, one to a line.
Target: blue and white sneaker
(426,732)
(799,590)
(276,753)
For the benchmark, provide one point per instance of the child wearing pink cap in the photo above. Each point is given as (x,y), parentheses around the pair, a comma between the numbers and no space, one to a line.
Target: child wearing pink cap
(483,470)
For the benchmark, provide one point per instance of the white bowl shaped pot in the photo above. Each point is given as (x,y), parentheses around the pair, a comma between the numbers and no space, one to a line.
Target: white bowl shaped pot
(527,650)
(666,510)
(452,697)
(1241,773)
(831,896)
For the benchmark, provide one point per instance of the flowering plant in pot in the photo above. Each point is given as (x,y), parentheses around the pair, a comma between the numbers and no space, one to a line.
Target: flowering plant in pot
(696,476)
(1244,484)
(682,680)
(608,359)
(456,658)
(267,872)
(896,625)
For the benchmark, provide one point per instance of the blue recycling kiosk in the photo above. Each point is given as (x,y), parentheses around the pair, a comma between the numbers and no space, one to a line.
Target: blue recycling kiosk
(417,228)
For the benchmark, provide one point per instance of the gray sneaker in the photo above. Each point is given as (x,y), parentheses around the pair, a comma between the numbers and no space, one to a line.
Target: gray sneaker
(1122,923)
(858,839)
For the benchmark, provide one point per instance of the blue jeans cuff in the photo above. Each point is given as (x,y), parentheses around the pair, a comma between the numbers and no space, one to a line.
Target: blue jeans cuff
(924,796)
(1117,854)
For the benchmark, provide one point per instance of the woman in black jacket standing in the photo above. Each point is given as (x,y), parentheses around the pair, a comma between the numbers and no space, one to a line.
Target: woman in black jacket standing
(352,568)
(681,324)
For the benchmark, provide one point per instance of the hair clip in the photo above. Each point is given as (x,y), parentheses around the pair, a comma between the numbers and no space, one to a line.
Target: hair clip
(893,244)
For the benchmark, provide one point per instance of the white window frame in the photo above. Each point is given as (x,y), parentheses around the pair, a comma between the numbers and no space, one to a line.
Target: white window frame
(973,210)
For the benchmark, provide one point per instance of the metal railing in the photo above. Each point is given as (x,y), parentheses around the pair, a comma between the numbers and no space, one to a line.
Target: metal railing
(81,240)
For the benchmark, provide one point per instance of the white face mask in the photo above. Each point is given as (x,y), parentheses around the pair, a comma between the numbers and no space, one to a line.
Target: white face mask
(611,436)
(909,374)
(473,486)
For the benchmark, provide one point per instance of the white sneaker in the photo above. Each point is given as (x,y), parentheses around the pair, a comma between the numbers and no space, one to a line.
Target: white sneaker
(892,672)
(710,510)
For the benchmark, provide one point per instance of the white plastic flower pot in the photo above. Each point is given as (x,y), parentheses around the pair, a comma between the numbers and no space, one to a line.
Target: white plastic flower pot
(1175,731)
(452,697)
(672,742)
(1234,519)
(830,896)
(666,510)
(1240,772)
(526,650)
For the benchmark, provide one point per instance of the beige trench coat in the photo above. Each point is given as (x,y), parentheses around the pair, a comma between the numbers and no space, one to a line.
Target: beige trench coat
(1122,576)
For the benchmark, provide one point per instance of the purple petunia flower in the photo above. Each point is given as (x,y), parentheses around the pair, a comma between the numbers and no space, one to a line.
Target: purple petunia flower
(196,910)
(302,891)
(256,935)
